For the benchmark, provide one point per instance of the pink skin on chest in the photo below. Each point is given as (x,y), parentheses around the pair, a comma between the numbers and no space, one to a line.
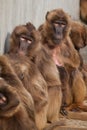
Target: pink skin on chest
(55,56)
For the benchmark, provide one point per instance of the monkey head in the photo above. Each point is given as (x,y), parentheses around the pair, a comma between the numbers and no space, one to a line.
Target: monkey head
(78,34)
(57,25)
(23,38)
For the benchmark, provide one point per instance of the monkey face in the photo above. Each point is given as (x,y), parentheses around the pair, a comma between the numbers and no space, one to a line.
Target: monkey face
(24,43)
(57,24)
(23,38)
(58,28)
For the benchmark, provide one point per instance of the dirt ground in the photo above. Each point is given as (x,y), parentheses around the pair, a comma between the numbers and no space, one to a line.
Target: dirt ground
(76,120)
(73,121)
(76,123)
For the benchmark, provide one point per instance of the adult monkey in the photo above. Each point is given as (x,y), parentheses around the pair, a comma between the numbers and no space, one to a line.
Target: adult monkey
(16,104)
(55,37)
(29,74)
(25,41)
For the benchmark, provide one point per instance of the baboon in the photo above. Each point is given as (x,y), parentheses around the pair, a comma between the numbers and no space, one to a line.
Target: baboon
(55,37)
(16,104)
(83,11)
(30,76)
(25,40)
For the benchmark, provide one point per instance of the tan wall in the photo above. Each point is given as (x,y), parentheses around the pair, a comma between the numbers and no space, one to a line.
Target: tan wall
(15,12)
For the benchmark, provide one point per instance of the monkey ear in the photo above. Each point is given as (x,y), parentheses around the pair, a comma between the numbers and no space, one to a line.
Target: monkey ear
(47,15)
(30,26)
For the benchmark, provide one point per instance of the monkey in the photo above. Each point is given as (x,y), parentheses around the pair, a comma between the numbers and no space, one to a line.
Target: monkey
(16,104)
(83,11)
(55,37)
(31,78)
(25,40)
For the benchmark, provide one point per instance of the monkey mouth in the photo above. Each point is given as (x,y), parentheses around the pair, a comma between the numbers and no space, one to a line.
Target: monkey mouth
(57,41)
(22,53)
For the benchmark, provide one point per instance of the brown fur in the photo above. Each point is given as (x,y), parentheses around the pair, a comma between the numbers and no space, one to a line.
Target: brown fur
(78,34)
(65,54)
(83,10)
(30,76)
(38,55)
(34,83)
(18,112)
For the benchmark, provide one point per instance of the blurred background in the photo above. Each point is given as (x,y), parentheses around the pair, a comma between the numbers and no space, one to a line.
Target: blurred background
(16,12)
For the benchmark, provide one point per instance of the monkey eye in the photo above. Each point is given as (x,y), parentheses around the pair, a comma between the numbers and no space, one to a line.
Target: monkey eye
(22,39)
(59,23)
(56,24)
(62,25)
(29,41)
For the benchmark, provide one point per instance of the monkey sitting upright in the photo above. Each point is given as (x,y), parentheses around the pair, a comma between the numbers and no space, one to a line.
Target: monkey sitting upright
(30,76)
(55,37)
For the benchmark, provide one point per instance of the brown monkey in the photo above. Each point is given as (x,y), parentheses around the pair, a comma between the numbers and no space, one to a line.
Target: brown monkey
(29,74)
(55,37)
(25,40)
(16,104)
(83,10)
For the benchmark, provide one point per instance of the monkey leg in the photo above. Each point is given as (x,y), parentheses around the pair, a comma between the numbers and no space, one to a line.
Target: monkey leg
(40,97)
(78,91)
(54,103)
(41,118)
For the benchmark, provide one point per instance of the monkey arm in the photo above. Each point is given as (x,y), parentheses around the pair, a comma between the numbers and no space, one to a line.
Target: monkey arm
(69,55)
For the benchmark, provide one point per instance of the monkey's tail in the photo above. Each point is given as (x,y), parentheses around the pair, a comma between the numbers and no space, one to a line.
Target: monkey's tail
(55,124)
